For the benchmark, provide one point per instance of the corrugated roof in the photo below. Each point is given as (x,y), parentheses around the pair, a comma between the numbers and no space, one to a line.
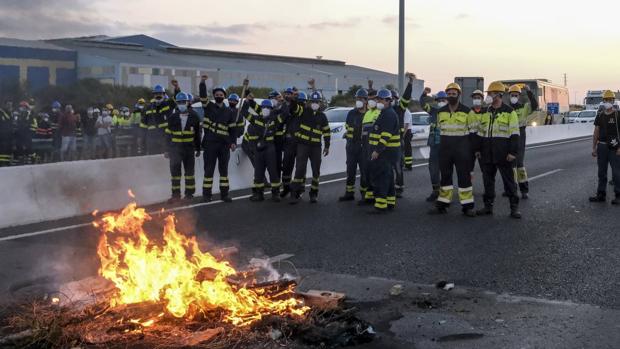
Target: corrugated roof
(30,44)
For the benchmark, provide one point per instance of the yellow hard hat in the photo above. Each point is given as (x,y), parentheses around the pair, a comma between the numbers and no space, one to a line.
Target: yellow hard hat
(453,86)
(514,88)
(477,93)
(141,101)
(609,94)
(109,106)
(115,112)
(496,86)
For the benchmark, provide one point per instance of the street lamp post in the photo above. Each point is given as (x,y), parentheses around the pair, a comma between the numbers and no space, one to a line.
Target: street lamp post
(401,46)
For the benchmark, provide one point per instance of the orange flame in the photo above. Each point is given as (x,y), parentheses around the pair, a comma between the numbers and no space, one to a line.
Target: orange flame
(145,271)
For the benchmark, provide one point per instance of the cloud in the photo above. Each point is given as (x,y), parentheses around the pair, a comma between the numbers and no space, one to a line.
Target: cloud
(461,16)
(393,20)
(347,23)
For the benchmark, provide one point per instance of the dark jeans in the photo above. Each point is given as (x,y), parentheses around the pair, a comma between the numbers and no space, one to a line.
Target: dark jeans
(607,157)
(433,165)
(216,153)
(507,172)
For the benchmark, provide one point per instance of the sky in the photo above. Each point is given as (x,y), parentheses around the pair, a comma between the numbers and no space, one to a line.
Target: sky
(495,40)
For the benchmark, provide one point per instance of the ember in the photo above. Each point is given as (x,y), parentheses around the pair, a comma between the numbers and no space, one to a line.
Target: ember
(173,272)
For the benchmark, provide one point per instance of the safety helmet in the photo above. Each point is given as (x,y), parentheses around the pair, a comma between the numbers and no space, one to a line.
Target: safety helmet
(266,103)
(109,106)
(274,94)
(361,93)
(316,96)
(219,88)
(182,97)
(289,90)
(453,86)
(190,97)
(141,101)
(115,112)
(56,105)
(96,111)
(497,86)
(159,89)
(609,94)
(441,95)
(514,88)
(24,104)
(384,94)
(302,97)
(124,110)
(477,93)
(233,97)
(395,94)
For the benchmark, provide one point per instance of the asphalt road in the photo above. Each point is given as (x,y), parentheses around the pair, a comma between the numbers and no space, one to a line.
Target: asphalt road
(564,248)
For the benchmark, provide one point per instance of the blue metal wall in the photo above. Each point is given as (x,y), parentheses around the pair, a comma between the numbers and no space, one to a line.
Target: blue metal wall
(38,77)
(65,76)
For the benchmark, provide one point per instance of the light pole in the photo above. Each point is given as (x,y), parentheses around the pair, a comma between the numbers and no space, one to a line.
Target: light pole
(401,46)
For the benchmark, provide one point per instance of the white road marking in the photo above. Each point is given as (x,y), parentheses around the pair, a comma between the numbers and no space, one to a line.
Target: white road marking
(545,174)
(180,208)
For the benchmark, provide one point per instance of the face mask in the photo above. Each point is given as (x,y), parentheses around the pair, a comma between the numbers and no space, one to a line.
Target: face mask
(219,100)
(182,108)
(359,104)
(453,100)
(314,106)
(514,100)
(607,105)
(477,102)
(442,104)
(380,106)
(372,104)
(140,107)
(46,119)
(266,112)
(55,110)
(488,100)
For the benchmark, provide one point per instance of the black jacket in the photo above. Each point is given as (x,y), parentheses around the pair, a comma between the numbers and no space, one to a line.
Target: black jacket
(220,122)
(312,125)
(188,136)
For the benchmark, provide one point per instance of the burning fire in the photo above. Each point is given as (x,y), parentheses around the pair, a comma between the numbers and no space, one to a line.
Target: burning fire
(170,272)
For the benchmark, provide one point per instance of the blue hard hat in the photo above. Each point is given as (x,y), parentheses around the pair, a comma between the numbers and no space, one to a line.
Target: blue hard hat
(233,97)
(219,88)
(274,94)
(159,89)
(190,97)
(316,96)
(182,97)
(56,105)
(266,104)
(384,94)
(361,93)
(441,95)
(302,96)
(289,90)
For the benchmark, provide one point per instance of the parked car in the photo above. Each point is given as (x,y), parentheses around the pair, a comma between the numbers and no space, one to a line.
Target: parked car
(337,118)
(586,116)
(420,126)
(572,117)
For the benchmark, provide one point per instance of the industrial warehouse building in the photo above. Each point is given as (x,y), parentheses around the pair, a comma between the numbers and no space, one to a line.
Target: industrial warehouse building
(141,60)
(36,64)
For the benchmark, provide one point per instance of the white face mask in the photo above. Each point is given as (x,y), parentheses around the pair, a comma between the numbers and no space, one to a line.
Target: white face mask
(514,100)
(274,102)
(477,102)
(359,104)
(182,108)
(442,104)
(380,106)
(607,105)
(372,104)
(266,112)
(314,106)
(488,100)
(393,103)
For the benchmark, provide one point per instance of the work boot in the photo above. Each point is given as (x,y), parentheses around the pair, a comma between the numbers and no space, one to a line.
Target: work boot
(225,198)
(207,198)
(438,211)
(514,212)
(399,193)
(616,201)
(434,195)
(486,211)
(275,195)
(391,207)
(347,197)
(285,191)
(313,197)
(295,198)
(365,202)
(525,196)
(257,195)
(189,196)
(469,212)
(599,197)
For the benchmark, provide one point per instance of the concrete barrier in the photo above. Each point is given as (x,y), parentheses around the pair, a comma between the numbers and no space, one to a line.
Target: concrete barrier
(37,193)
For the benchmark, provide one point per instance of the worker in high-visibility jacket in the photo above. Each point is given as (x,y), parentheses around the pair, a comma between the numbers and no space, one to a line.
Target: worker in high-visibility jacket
(496,147)
(354,147)
(400,106)
(368,122)
(523,110)
(184,134)
(385,146)
(155,121)
(313,126)
(458,128)
(433,142)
